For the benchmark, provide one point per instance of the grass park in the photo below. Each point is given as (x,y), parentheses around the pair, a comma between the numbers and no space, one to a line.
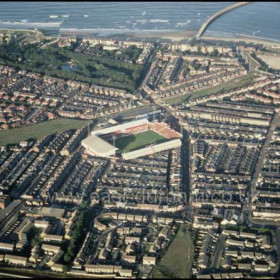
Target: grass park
(137,141)
(39,131)
(103,68)
(177,261)
(239,82)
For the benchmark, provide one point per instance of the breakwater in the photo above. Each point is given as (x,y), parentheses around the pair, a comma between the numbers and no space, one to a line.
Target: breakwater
(216,15)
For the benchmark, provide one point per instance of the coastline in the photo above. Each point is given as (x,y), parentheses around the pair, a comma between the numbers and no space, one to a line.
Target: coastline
(243,38)
(171,35)
(190,34)
(178,36)
(165,34)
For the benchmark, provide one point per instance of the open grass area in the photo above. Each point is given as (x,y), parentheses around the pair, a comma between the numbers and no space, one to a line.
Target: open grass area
(38,131)
(177,261)
(137,141)
(102,68)
(271,59)
(225,86)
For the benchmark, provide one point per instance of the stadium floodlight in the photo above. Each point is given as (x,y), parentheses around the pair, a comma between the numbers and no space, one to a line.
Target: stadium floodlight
(114,140)
(88,130)
(154,113)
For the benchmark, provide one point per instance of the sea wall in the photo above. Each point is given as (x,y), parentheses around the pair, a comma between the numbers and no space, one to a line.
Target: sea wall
(216,15)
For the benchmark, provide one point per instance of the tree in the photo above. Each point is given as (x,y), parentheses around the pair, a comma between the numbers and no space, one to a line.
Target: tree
(67,258)
(196,66)
(84,204)
(71,250)
(215,53)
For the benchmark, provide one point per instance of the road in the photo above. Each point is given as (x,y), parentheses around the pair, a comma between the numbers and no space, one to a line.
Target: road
(218,252)
(257,65)
(11,217)
(258,168)
(49,43)
(148,69)
(11,275)
(100,238)
(186,166)
(277,237)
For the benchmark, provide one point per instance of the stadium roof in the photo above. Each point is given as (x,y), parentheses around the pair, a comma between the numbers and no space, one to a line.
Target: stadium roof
(120,127)
(98,146)
(153,149)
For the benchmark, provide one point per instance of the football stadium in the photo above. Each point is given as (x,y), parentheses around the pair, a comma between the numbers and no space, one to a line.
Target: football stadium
(132,140)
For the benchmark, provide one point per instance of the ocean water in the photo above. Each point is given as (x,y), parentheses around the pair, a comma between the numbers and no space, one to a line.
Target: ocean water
(258,19)
(261,19)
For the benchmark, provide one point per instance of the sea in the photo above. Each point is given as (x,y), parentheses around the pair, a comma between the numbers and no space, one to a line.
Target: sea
(257,19)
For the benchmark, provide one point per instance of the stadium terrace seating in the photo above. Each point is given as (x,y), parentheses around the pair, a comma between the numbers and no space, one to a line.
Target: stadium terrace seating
(164,130)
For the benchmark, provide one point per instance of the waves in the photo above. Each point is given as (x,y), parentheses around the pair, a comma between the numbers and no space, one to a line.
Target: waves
(26,24)
(176,16)
(159,20)
(143,21)
(182,24)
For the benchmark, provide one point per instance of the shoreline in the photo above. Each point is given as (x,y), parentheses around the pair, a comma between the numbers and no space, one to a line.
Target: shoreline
(172,35)
(175,36)
(243,38)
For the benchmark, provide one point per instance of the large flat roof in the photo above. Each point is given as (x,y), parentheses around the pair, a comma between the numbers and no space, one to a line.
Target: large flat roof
(98,145)
(51,212)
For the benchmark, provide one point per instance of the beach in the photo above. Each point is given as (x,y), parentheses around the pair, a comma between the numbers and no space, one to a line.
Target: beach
(243,38)
(177,36)
(171,35)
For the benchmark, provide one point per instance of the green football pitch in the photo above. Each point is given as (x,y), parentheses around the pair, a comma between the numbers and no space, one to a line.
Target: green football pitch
(138,141)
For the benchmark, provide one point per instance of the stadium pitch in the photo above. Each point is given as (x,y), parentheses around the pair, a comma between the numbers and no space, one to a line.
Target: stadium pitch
(137,141)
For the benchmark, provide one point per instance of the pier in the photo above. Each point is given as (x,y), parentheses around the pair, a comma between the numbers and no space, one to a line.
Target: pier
(216,15)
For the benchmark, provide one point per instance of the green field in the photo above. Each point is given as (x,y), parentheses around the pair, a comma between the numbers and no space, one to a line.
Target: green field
(177,261)
(104,68)
(137,141)
(38,131)
(239,82)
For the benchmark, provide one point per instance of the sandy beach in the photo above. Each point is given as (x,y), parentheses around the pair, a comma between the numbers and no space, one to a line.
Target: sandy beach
(189,34)
(246,39)
(157,34)
(174,36)
(170,35)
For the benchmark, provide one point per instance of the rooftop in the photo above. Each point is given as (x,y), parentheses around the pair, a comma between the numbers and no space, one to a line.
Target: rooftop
(98,146)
